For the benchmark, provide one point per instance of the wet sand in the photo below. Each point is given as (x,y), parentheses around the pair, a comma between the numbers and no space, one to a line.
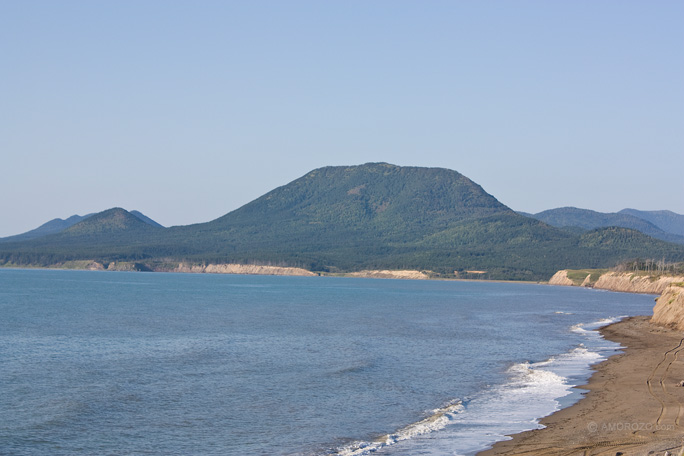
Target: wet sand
(634,404)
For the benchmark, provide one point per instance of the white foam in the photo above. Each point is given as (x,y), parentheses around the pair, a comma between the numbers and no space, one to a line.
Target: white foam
(593,326)
(589,331)
(532,391)
(574,360)
(438,419)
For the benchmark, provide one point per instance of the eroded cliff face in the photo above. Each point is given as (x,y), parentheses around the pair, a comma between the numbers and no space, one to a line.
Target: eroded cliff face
(561,278)
(632,283)
(628,282)
(387,274)
(242,269)
(669,308)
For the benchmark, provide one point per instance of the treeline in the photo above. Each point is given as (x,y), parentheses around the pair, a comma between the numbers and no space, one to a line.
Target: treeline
(650,266)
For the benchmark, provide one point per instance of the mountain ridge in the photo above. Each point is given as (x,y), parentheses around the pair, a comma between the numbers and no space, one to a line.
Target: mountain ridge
(50,227)
(667,221)
(575,220)
(375,216)
(58,225)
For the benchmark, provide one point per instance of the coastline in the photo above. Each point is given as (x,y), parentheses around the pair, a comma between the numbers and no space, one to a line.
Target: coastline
(633,404)
(252,269)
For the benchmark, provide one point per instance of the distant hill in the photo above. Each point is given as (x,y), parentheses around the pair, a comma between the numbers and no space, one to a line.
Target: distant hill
(349,218)
(571,219)
(51,227)
(665,220)
(57,225)
(111,222)
(114,234)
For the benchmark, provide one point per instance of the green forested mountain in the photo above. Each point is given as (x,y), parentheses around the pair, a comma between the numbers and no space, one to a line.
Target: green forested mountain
(112,222)
(338,219)
(375,216)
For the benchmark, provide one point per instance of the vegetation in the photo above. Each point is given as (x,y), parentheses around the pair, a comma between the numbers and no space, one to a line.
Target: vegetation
(650,267)
(343,219)
(578,276)
(646,268)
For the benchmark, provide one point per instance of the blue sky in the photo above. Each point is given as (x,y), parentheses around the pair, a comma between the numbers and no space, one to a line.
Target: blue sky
(187,110)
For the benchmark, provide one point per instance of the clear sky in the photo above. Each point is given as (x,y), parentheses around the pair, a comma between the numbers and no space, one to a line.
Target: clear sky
(187,110)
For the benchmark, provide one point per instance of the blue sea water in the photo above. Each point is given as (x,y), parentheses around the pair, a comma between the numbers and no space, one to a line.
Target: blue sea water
(115,363)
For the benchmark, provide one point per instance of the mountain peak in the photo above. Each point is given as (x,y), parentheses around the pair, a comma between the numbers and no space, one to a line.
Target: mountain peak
(378,190)
(112,220)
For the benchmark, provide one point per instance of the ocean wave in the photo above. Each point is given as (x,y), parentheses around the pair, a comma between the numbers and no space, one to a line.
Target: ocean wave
(530,392)
(578,355)
(438,419)
(530,375)
(593,326)
(533,390)
(590,332)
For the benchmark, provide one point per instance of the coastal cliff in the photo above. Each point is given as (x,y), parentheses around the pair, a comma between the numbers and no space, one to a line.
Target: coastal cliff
(242,269)
(669,308)
(222,268)
(393,274)
(561,278)
(633,283)
(628,282)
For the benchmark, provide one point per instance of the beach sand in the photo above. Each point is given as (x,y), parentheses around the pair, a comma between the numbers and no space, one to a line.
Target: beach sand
(634,404)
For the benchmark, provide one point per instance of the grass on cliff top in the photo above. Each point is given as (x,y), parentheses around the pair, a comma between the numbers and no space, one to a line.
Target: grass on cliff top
(579,275)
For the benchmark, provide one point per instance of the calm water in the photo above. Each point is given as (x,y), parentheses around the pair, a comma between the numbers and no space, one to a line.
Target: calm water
(176,364)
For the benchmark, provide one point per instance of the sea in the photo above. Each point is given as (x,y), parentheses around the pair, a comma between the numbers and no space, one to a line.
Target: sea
(131,363)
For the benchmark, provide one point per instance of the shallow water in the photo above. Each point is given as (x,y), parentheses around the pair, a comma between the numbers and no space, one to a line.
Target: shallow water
(144,363)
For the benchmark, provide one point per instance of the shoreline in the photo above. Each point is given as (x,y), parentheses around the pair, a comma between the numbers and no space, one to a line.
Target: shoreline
(266,270)
(633,404)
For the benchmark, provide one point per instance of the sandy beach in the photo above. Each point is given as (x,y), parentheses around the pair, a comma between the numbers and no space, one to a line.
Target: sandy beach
(634,404)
